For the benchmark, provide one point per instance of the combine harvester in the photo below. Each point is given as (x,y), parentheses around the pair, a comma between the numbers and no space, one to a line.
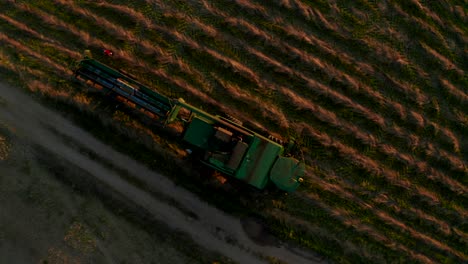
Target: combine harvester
(220,143)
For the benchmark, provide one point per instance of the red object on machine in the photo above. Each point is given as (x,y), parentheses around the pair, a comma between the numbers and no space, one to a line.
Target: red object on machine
(108,52)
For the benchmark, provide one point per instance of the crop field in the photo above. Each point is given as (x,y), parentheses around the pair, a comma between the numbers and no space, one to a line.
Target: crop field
(376,92)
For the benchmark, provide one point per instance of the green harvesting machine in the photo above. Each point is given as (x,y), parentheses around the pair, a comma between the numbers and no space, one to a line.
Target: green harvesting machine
(223,144)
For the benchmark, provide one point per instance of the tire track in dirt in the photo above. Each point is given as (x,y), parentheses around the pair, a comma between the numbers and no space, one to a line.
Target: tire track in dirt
(211,230)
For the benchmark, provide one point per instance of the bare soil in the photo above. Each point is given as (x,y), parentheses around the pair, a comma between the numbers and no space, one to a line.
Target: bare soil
(41,219)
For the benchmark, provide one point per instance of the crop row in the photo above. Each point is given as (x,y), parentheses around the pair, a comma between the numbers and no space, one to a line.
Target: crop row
(186,73)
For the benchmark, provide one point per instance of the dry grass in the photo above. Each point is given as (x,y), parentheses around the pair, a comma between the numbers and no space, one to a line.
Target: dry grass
(385,217)
(23,48)
(406,114)
(365,94)
(49,42)
(361,227)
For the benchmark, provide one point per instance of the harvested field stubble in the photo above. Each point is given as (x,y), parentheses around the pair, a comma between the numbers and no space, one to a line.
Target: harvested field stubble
(376,92)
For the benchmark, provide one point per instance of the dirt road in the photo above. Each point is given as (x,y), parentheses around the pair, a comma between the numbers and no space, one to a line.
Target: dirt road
(212,228)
